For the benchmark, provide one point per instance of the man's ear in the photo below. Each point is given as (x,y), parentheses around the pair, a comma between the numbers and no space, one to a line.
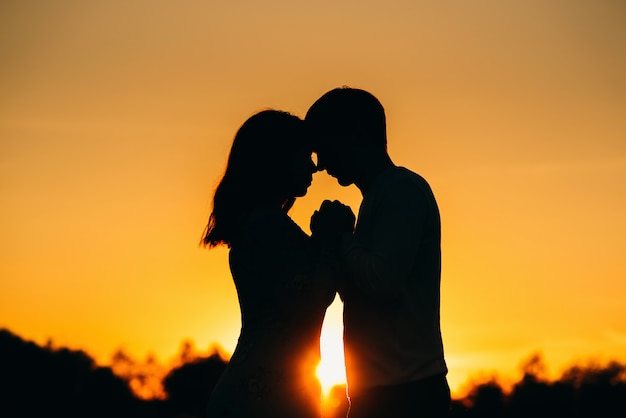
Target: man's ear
(353,139)
(359,137)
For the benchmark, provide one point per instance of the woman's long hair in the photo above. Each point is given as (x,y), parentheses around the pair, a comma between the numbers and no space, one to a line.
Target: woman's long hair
(257,173)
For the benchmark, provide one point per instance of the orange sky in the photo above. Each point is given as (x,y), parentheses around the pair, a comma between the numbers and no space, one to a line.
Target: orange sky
(116,119)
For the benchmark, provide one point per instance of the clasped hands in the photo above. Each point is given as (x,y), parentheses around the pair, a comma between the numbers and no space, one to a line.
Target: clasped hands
(330,223)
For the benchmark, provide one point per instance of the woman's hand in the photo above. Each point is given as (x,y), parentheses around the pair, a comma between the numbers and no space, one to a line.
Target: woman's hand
(333,218)
(330,223)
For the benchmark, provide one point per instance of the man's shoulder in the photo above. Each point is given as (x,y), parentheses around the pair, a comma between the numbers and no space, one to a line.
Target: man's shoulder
(399,183)
(410,186)
(403,176)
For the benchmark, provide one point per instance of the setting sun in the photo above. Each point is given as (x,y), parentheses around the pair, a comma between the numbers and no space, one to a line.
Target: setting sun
(331,370)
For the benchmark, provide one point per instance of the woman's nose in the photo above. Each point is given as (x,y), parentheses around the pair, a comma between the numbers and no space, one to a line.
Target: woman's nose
(319,164)
(313,167)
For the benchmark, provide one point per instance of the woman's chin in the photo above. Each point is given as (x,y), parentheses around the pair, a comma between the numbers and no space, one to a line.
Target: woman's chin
(302,192)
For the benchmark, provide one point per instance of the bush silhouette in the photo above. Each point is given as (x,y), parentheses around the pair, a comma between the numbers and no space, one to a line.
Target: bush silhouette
(581,392)
(189,386)
(43,381)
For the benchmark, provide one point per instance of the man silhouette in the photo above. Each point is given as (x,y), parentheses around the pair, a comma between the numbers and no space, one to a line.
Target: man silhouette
(395,364)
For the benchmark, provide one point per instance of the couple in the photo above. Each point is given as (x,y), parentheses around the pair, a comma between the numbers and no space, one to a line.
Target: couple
(386,269)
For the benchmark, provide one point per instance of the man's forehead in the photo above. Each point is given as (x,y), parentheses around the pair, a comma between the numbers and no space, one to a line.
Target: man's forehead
(321,141)
(328,139)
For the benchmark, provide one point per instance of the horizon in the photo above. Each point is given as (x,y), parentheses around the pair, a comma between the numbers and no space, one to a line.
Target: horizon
(128,367)
(135,390)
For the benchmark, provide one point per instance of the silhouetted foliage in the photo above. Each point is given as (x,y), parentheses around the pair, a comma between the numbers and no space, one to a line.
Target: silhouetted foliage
(40,381)
(487,400)
(44,381)
(189,386)
(598,390)
(581,392)
(144,377)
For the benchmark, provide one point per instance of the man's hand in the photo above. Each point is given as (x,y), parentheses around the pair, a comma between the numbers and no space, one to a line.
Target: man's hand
(331,221)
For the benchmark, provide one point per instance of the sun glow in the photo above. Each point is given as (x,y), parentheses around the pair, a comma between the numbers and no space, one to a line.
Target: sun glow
(331,370)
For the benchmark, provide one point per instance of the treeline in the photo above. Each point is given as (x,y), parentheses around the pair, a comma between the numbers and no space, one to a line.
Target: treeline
(40,381)
(43,381)
(581,391)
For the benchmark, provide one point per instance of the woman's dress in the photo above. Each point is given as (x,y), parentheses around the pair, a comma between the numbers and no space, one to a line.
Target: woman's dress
(283,295)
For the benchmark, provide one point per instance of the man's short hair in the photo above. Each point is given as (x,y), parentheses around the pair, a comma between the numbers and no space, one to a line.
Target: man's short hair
(345,111)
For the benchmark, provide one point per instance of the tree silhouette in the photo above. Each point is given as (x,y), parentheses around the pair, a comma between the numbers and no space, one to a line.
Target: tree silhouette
(189,386)
(487,400)
(43,381)
(598,391)
(581,392)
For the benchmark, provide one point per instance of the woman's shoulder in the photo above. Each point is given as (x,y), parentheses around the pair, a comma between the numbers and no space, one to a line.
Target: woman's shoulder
(270,228)
(271,243)
(271,224)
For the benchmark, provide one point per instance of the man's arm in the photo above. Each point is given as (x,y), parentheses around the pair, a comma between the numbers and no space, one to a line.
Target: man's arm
(380,266)
(330,223)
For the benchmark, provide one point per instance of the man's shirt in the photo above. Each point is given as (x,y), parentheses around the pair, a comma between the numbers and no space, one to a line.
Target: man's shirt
(391,301)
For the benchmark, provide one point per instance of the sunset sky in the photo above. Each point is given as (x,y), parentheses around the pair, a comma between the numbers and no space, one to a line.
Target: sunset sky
(116,118)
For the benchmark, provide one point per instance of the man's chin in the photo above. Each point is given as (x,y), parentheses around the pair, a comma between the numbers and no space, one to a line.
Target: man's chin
(341,180)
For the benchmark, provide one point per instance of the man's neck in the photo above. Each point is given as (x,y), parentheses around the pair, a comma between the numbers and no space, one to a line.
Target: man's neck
(374,168)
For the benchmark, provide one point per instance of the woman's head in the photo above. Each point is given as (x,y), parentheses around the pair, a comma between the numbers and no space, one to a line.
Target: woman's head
(269,164)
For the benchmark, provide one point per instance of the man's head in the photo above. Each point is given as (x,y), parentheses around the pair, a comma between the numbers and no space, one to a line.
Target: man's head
(347,125)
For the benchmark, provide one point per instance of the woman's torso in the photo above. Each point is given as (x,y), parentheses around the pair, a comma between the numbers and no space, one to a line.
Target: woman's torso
(282,302)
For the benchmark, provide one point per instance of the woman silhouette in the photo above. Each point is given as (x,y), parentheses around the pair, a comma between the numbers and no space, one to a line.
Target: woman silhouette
(282,284)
